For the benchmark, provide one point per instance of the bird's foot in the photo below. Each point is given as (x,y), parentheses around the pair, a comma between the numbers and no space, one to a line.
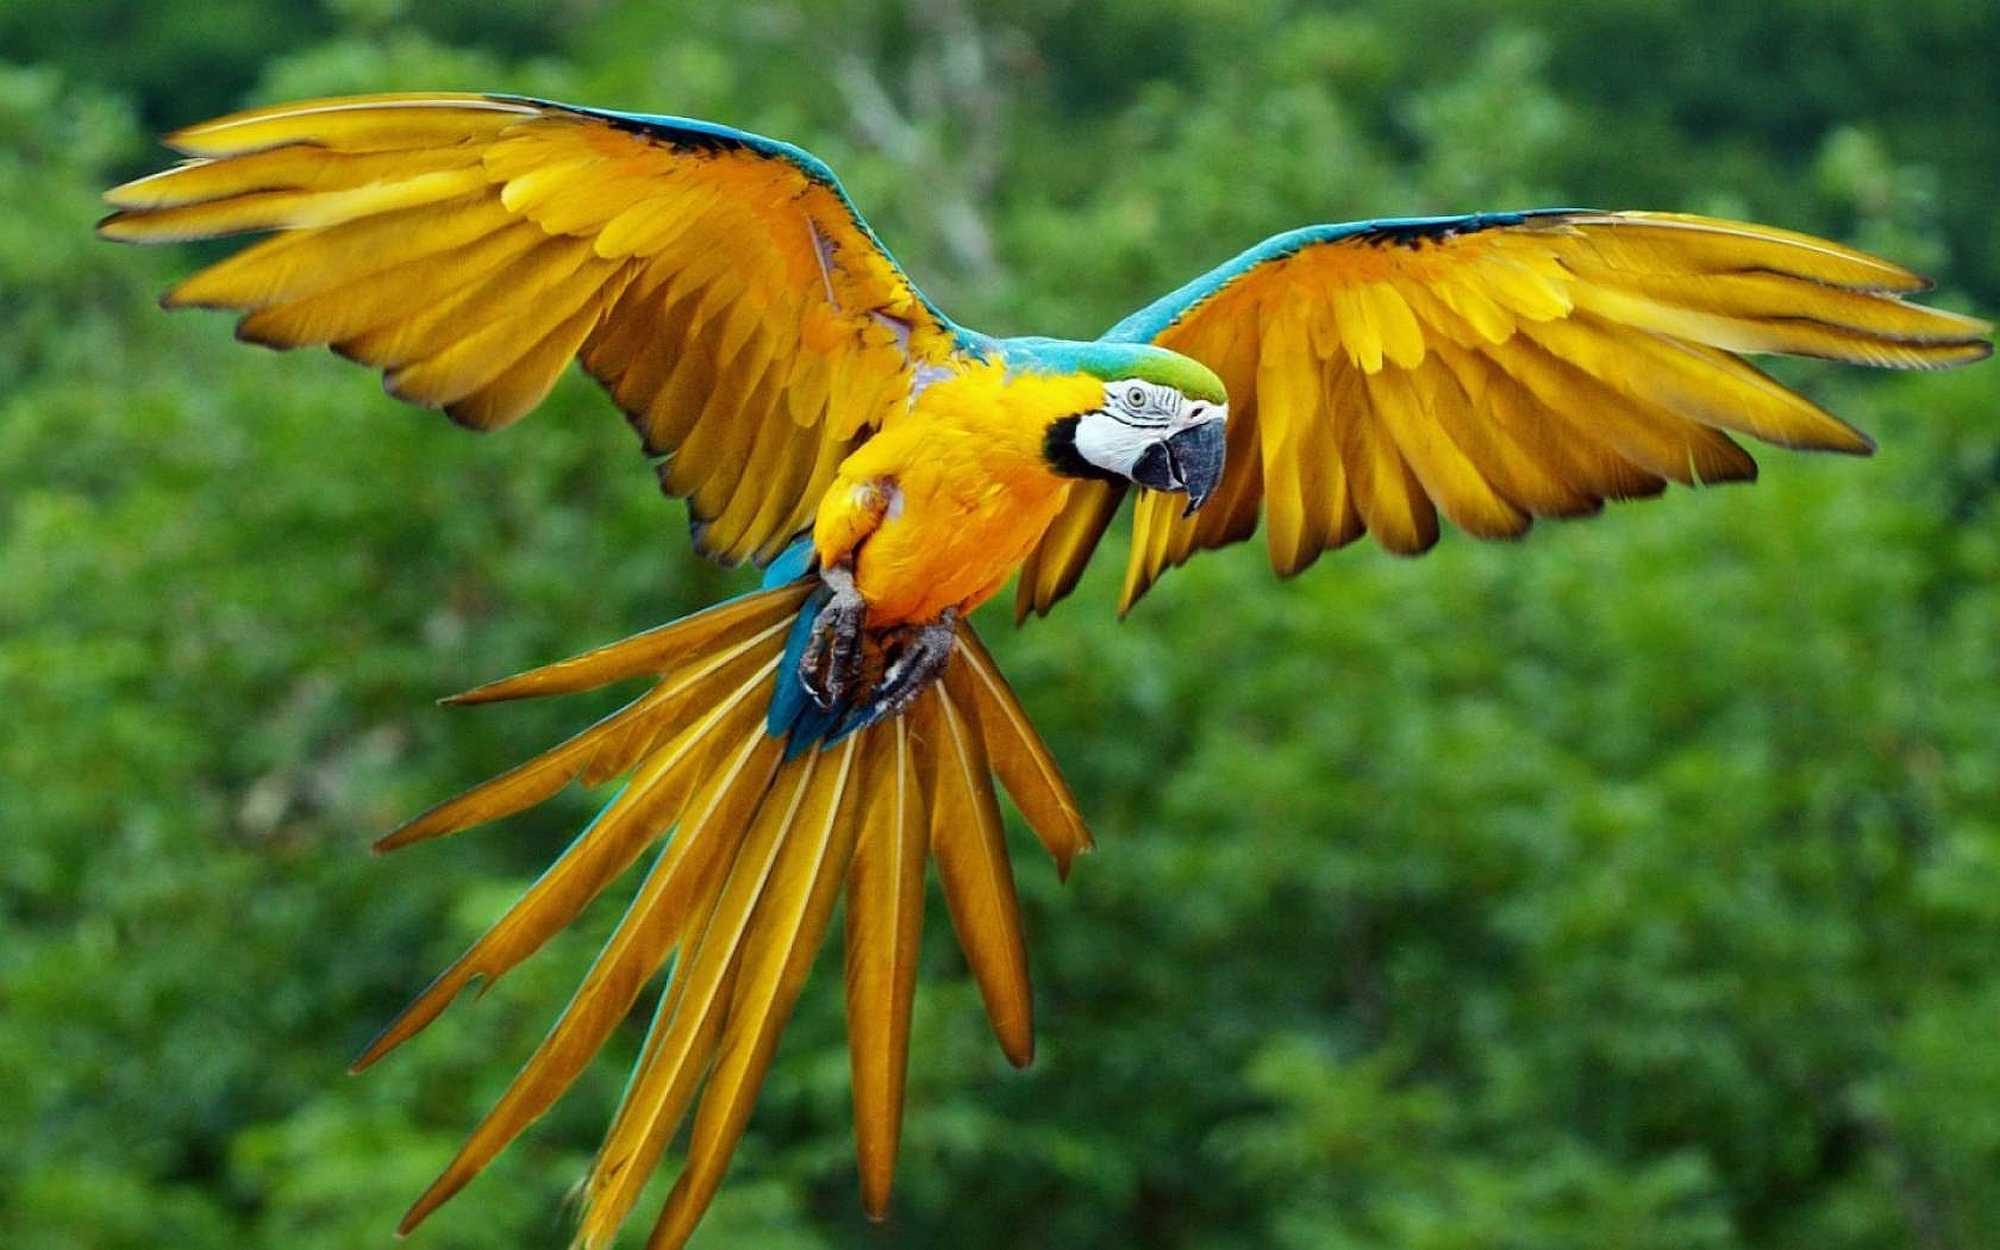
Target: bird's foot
(832,658)
(917,657)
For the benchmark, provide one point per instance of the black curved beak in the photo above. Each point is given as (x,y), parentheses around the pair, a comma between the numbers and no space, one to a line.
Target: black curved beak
(1189,461)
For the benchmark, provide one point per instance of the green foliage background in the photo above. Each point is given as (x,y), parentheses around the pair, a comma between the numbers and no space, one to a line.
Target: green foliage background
(1634,886)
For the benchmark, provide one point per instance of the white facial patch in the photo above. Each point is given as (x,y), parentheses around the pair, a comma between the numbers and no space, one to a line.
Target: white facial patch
(1136,414)
(1113,444)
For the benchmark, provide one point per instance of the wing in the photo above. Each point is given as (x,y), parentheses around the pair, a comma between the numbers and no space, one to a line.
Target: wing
(719,284)
(1497,368)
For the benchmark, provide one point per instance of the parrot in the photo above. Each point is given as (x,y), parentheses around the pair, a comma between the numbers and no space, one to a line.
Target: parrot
(835,734)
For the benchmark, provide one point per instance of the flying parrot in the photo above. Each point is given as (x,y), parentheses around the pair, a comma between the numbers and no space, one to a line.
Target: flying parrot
(837,731)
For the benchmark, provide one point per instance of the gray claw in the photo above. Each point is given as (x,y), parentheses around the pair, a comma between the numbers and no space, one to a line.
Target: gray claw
(832,658)
(921,659)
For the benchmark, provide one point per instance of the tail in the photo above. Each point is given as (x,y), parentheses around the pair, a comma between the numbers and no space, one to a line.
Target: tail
(762,839)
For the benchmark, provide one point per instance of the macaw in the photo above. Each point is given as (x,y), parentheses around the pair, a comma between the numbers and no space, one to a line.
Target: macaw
(841,728)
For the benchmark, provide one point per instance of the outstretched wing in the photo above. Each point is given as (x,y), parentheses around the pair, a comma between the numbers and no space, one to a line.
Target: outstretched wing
(1497,368)
(719,284)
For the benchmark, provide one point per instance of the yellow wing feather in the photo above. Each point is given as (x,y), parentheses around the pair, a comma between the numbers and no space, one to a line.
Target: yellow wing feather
(1502,370)
(1053,568)
(471,246)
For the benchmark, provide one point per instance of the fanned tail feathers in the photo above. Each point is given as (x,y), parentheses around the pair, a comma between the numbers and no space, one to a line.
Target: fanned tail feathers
(741,895)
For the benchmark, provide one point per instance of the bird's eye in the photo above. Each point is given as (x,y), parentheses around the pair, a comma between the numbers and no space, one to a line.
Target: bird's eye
(1135,397)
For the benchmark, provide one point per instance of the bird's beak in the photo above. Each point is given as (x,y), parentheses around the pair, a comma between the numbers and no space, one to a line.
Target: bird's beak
(1190,460)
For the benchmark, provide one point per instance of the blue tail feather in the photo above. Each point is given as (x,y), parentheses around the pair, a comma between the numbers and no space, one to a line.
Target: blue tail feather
(791,564)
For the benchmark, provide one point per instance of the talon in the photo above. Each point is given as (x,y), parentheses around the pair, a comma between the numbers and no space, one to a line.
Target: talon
(919,662)
(832,657)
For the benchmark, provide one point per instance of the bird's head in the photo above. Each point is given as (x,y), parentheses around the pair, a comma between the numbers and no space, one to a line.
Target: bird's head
(1160,421)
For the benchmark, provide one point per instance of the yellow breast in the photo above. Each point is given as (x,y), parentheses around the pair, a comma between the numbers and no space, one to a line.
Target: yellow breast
(969,490)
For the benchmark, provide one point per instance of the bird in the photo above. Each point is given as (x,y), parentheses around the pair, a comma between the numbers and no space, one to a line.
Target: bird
(840,731)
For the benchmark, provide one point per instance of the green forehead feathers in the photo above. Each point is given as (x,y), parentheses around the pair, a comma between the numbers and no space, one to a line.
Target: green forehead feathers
(1113,361)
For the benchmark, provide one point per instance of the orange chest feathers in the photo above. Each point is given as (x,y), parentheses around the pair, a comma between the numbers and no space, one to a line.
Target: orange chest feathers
(963,488)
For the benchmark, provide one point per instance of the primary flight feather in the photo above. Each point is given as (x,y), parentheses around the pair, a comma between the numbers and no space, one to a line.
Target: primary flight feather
(835,732)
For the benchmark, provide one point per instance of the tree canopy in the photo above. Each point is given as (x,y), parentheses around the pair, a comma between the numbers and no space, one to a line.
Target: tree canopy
(1636,885)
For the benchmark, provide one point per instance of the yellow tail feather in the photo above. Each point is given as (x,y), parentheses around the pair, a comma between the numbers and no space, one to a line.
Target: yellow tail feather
(744,888)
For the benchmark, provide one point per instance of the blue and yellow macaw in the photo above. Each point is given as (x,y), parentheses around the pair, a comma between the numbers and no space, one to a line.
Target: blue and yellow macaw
(842,727)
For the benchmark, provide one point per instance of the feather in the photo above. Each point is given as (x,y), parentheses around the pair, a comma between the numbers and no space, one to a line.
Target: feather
(788,483)
(373,321)
(653,925)
(355,124)
(1355,316)
(659,222)
(589,205)
(1871,330)
(598,856)
(1697,382)
(1395,323)
(749,482)
(1467,299)
(293,266)
(675,408)
(289,210)
(656,1098)
(1152,520)
(482,345)
(1675,243)
(530,783)
(715,438)
(655,651)
(1237,352)
(523,385)
(281,169)
(1475,418)
(657,1094)
(830,452)
(1659,441)
(806,392)
(885,917)
(521,294)
(1448,476)
(970,850)
(1400,409)
(778,950)
(1502,366)
(467,245)
(762,842)
(1057,562)
(1344,403)
(1287,403)
(1526,292)
(1582,455)
(1019,757)
(630,352)
(1386,493)
(530,189)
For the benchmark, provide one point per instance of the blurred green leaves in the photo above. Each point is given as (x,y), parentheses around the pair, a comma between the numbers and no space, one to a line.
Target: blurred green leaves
(1636,885)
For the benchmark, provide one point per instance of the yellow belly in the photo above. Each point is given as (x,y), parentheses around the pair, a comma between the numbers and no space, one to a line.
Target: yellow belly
(969,493)
(951,544)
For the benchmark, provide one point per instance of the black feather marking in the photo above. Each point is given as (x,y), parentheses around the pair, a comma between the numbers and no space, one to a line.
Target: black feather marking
(679,138)
(1414,232)
(1059,449)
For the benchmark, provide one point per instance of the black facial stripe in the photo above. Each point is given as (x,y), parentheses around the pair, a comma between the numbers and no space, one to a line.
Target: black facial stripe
(1059,447)
(1152,417)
